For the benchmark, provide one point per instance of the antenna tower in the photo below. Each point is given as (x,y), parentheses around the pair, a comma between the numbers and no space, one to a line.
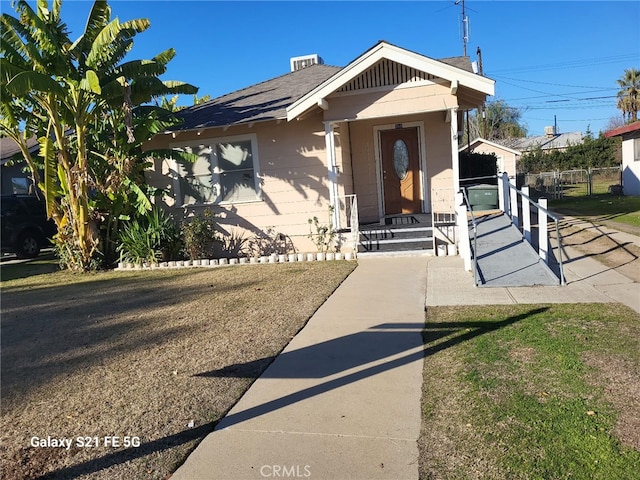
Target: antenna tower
(465,27)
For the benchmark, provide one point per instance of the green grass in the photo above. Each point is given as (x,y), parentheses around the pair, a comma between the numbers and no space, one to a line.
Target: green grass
(527,394)
(621,209)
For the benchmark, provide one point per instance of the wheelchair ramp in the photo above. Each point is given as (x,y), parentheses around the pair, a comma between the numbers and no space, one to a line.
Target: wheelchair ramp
(505,259)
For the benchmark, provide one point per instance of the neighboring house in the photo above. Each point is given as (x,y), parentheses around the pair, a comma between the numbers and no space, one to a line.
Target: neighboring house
(551,140)
(506,157)
(274,155)
(13,179)
(630,156)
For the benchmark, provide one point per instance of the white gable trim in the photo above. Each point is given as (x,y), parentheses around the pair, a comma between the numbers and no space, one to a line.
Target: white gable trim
(396,54)
(478,140)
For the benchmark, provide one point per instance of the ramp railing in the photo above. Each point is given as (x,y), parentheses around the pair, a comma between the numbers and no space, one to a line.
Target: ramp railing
(510,198)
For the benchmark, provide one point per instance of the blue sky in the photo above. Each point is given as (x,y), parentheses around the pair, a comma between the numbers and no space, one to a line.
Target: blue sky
(548,58)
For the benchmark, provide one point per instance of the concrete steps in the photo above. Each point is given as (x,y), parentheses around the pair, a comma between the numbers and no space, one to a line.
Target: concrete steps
(400,233)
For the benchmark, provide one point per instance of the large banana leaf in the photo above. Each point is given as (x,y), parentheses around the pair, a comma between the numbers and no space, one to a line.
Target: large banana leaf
(98,18)
(26,82)
(102,48)
(50,173)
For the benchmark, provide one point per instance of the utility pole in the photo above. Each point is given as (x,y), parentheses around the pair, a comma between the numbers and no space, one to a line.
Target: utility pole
(483,114)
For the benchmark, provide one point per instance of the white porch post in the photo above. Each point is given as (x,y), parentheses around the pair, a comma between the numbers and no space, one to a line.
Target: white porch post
(455,164)
(332,168)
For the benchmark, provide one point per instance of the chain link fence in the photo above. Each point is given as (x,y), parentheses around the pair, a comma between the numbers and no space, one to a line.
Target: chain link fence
(575,183)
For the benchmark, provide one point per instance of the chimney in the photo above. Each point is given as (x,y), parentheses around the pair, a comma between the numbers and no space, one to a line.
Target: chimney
(550,131)
(298,63)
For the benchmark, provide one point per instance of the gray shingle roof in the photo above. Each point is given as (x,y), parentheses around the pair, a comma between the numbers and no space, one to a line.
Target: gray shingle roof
(268,100)
(264,101)
(561,140)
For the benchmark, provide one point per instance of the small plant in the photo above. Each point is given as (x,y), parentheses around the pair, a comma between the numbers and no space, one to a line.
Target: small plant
(149,238)
(199,236)
(321,235)
(268,243)
(232,245)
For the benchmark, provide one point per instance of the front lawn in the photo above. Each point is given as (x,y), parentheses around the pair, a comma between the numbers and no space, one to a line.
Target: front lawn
(531,391)
(617,211)
(147,357)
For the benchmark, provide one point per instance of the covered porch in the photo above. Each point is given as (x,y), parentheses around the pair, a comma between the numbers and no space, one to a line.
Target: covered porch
(392,119)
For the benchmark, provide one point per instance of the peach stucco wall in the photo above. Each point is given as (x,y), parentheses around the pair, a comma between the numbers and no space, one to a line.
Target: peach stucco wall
(293,175)
(385,103)
(293,161)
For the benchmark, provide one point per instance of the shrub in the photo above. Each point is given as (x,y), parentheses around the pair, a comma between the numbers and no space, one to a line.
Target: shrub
(199,235)
(149,238)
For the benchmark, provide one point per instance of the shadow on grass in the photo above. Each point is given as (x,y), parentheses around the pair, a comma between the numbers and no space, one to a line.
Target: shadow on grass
(384,341)
(11,269)
(53,330)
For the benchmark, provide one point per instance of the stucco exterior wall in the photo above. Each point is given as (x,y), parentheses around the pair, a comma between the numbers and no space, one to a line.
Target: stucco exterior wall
(293,176)
(630,166)
(384,103)
(506,159)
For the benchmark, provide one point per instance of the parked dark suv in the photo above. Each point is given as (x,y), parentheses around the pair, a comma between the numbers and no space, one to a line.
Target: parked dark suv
(25,228)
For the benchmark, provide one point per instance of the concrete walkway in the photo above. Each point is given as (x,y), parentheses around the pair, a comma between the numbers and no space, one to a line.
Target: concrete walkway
(588,281)
(343,399)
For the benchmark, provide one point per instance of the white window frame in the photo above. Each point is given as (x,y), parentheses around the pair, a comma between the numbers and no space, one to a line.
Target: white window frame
(211,144)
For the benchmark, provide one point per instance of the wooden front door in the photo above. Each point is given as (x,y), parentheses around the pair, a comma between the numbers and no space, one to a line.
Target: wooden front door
(401,170)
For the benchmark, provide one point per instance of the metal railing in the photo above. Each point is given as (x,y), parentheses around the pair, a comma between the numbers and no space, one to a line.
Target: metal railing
(511,209)
(347,220)
(475,237)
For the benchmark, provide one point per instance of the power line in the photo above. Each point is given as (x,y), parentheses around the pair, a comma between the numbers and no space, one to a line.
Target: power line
(553,84)
(570,64)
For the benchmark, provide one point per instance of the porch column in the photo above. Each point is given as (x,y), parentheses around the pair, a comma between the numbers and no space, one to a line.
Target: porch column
(455,164)
(330,146)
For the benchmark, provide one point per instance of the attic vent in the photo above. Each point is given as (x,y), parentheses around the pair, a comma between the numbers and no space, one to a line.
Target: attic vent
(298,63)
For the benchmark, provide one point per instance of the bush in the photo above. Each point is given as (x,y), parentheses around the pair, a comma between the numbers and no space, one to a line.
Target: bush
(199,235)
(149,238)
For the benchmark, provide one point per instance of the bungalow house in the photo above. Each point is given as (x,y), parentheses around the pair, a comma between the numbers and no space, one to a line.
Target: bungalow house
(507,158)
(630,156)
(377,138)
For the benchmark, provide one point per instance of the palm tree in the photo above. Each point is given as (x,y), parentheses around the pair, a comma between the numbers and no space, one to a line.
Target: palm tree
(628,99)
(61,90)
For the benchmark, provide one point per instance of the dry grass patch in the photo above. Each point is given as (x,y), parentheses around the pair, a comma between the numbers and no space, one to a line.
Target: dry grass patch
(587,238)
(158,355)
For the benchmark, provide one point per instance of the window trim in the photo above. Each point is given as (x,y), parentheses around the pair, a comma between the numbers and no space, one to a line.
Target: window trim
(212,143)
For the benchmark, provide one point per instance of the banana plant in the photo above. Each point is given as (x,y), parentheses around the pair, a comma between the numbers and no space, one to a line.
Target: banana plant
(60,90)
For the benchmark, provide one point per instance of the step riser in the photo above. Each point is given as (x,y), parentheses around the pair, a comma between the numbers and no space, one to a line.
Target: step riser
(391,235)
(396,245)
(397,237)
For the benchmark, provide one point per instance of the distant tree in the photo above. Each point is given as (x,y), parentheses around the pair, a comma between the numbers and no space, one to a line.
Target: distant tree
(501,121)
(628,100)
(614,122)
(592,153)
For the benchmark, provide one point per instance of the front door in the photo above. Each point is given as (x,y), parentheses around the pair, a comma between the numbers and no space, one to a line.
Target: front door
(401,170)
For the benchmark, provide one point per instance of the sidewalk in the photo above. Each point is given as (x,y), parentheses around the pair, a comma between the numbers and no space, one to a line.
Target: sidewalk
(588,281)
(343,399)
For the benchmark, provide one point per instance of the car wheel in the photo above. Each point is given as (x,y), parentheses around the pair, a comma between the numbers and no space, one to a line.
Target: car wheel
(28,246)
